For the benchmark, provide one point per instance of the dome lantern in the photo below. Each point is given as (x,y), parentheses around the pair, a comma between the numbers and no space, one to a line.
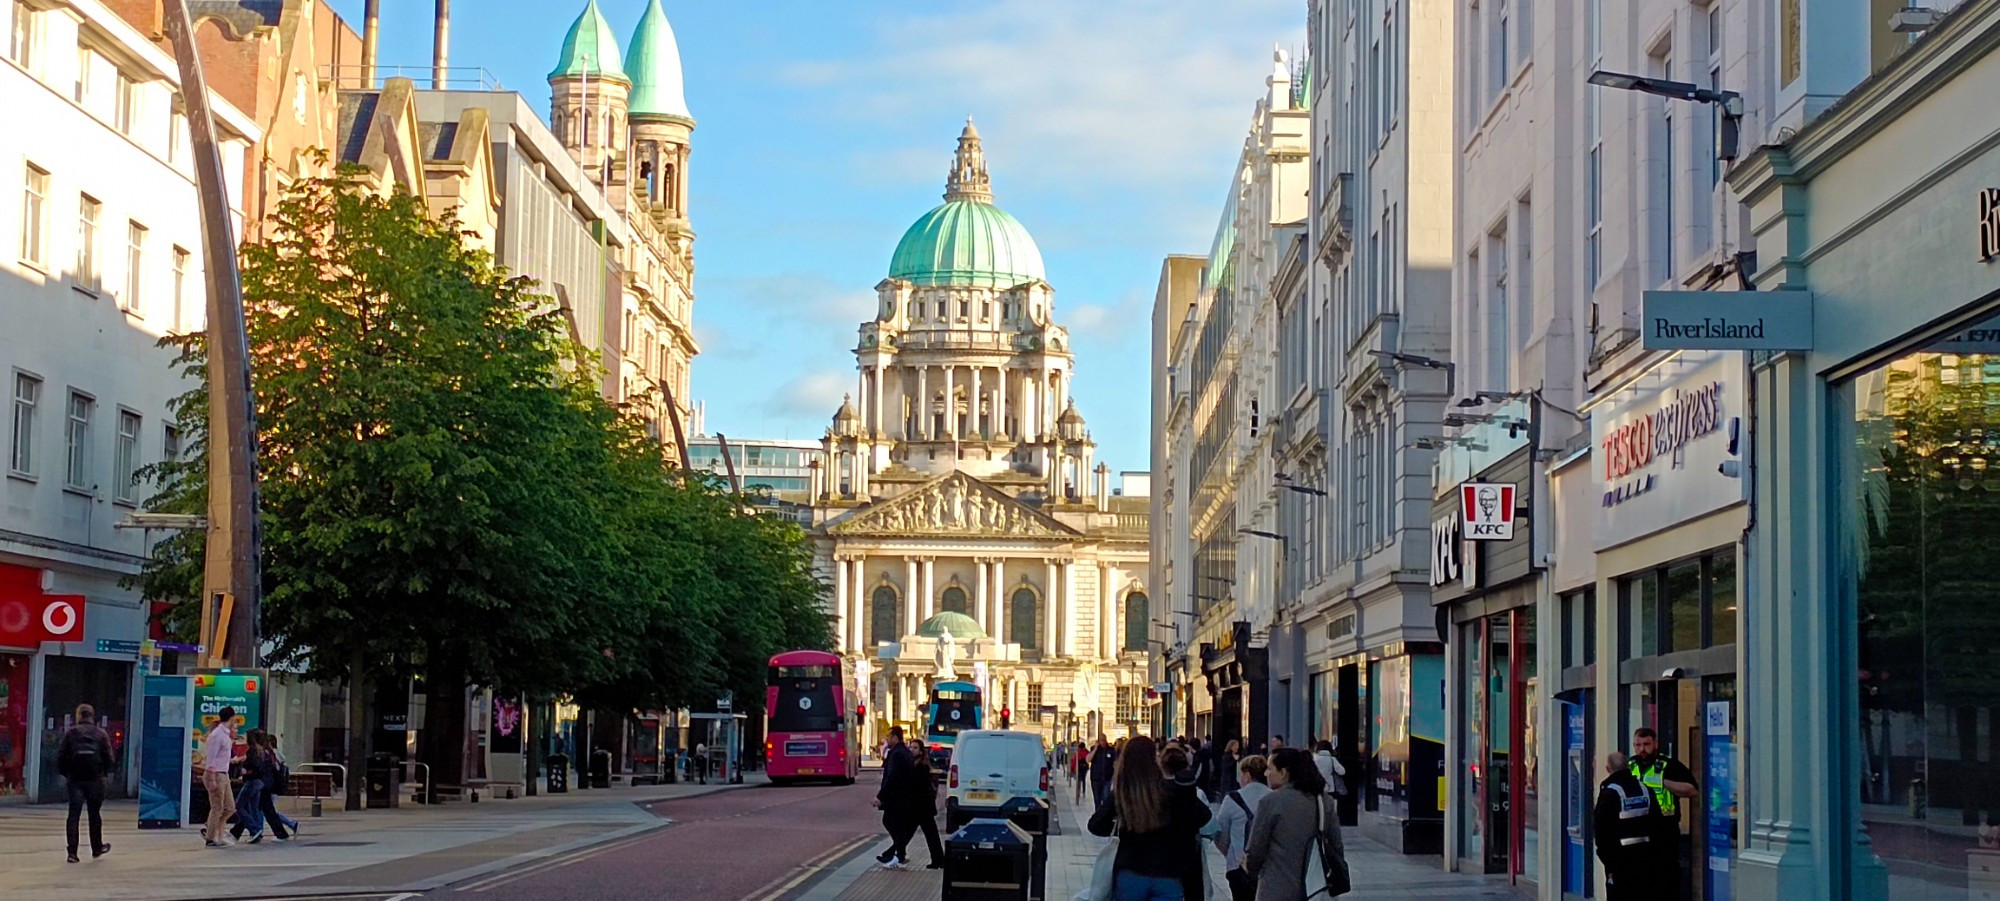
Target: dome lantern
(967,241)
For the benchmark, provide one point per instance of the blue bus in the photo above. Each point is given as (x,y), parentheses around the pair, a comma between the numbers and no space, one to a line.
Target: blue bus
(955,707)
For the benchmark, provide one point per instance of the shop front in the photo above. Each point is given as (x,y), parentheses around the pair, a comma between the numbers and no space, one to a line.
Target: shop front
(1667,449)
(1486,591)
(65,639)
(1872,702)
(1569,782)
(1237,679)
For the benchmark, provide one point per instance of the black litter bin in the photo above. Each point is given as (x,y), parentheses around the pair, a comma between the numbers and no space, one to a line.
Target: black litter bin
(385,781)
(600,768)
(988,860)
(558,765)
(1032,815)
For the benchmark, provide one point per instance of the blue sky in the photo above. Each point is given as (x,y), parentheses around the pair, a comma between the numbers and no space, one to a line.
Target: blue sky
(826,128)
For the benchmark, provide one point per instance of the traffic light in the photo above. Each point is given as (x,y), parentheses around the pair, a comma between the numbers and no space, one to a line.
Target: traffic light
(860,714)
(1006,718)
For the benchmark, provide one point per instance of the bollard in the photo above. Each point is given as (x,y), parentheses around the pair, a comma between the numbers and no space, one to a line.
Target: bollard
(315,805)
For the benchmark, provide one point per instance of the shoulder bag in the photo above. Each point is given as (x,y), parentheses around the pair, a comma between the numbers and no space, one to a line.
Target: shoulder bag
(1326,873)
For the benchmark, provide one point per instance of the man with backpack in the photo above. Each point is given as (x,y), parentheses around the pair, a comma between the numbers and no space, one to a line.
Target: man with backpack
(83,758)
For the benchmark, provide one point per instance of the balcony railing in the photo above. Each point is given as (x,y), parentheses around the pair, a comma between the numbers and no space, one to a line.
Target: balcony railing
(456,78)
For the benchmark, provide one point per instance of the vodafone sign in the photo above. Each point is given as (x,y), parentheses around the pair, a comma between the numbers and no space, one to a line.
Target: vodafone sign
(28,620)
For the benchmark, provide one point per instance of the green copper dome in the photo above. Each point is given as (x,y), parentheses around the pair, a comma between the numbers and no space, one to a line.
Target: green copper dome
(655,67)
(590,49)
(961,627)
(967,242)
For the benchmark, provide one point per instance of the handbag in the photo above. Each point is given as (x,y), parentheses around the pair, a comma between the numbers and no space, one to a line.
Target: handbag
(1326,874)
(282,784)
(1103,874)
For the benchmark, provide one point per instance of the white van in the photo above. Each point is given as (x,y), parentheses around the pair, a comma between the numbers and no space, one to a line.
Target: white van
(990,767)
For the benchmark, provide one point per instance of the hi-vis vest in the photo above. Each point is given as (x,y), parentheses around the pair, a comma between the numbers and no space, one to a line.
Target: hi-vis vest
(1653,777)
(1631,807)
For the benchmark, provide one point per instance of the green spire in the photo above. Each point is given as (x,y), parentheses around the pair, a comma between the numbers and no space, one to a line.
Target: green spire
(590,48)
(656,67)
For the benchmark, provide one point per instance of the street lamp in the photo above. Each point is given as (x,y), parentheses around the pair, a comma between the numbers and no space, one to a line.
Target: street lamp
(1285,482)
(1450,370)
(1729,102)
(1260,533)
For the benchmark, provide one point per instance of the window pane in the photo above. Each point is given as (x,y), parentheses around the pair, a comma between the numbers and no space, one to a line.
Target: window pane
(1683,599)
(27,393)
(1722,599)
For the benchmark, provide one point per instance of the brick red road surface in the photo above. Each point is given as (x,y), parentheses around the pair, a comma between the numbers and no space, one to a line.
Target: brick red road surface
(721,847)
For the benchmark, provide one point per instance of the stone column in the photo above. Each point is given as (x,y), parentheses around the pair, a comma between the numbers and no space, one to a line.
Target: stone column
(840,601)
(1052,613)
(1071,644)
(1107,606)
(980,613)
(930,588)
(1000,406)
(1000,610)
(911,591)
(951,402)
(877,424)
(923,402)
(973,402)
(858,594)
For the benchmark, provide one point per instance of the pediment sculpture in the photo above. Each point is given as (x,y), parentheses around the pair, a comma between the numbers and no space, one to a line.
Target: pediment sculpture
(954,505)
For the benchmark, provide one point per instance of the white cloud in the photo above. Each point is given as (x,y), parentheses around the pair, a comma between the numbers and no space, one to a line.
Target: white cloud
(811,396)
(1111,324)
(1119,92)
(794,298)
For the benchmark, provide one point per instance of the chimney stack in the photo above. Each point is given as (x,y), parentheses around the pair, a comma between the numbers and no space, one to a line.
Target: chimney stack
(371,25)
(441,45)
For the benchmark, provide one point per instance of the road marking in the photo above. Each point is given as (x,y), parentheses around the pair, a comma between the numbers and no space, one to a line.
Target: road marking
(563,860)
(809,869)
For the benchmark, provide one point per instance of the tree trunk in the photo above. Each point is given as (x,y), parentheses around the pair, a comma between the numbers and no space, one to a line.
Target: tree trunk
(442,742)
(358,733)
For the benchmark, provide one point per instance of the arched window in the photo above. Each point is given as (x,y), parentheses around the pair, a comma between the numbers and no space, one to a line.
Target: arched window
(1137,617)
(882,616)
(953,600)
(1024,618)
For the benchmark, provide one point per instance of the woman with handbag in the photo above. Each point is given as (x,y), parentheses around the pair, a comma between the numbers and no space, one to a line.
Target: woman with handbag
(1237,814)
(1295,852)
(1157,825)
(279,774)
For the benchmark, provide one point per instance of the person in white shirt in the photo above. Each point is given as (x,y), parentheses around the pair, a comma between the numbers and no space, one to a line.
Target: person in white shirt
(218,751)
(1330,769)
(1233,817)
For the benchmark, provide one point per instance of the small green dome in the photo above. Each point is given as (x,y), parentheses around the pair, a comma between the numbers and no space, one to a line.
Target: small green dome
(590,48)
(655,67)
(967,242)
(961,627)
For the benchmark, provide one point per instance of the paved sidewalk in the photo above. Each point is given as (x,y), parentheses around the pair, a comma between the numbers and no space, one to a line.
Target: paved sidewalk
(1379,873)
(411,848)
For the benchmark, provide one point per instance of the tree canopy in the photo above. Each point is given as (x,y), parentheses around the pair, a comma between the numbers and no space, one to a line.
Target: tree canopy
(445,492)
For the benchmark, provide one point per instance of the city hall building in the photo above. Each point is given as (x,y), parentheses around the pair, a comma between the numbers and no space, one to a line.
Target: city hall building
(958,515)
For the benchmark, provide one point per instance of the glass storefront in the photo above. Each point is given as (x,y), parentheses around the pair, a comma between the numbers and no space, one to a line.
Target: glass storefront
(1497,759)
(14,723)
(1919,439)
(1404,696)
(103,684)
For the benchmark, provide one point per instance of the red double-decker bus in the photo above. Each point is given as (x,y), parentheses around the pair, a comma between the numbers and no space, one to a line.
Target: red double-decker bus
(809,728)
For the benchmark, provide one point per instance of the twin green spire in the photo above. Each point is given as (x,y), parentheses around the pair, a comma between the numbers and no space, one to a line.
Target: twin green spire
(591,50)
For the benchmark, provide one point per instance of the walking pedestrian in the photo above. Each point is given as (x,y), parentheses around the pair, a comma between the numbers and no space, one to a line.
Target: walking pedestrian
(1622,826)
(1330,769)
(1158,825)
(256,805)
(897,765)
(1226,761)
(1079,770)
(922,801)
(1237,814)
(82,758)
(1290,822)
(1102,761)
(218,751)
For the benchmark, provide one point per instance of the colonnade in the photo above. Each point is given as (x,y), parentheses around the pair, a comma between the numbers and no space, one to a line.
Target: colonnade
(990,601)
(898,400)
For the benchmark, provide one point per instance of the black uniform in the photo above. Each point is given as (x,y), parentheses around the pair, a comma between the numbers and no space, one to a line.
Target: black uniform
(1668,845)
(1624,827)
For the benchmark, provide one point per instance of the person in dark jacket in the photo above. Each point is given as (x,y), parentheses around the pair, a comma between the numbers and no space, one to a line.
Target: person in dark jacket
(1622,826)
(257,805)
(897,766)
(1227,757)
(922,801)
(1103,759)
(83,757)
(1158,824)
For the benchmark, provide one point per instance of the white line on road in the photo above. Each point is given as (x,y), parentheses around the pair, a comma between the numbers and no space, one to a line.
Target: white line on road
(807,870)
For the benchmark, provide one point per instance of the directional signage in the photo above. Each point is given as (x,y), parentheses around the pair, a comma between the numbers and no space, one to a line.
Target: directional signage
(1727,320)
(1488,509)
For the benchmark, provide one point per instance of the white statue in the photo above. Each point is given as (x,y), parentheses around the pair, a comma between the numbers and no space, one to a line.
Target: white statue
(947,657)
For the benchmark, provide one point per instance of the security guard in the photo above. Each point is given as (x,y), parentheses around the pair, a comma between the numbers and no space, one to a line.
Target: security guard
(1670,784)
(1623,827)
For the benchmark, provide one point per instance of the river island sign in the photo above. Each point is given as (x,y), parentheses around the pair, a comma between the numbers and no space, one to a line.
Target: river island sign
(1726,320)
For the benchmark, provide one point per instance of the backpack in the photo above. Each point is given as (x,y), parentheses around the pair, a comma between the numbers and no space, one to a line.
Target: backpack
(281,774)
(82,755)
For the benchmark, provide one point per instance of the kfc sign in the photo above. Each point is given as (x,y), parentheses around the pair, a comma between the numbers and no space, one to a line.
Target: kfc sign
(28,620)
(1488,509)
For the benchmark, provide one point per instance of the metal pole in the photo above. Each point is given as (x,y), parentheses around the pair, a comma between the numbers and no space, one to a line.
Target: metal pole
(441,45)
(729,464)
(233,563)
(371,27)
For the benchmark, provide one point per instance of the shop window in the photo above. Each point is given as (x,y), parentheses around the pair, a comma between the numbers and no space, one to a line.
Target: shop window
(103,684)
(1920,508)
(1579,628)
(1682,596)
(14,722)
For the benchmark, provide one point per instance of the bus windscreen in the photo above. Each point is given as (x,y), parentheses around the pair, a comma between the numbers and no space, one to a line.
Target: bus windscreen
(955,714)
(805,704)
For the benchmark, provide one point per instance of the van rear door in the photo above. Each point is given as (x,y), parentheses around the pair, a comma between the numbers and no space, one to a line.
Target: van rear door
(995,768)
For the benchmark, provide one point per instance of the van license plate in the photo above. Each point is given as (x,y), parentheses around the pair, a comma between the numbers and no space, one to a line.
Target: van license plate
(982,796)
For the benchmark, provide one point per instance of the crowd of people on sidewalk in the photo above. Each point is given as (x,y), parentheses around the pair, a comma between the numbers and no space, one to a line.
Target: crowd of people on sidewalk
(250,809)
